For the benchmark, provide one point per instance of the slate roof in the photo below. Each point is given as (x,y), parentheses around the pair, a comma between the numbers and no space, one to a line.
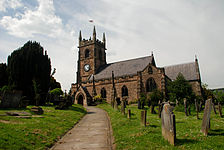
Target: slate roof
(189,71)
(127,67)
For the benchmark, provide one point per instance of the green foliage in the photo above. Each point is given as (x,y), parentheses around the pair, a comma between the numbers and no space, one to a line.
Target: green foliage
(180,89)
(129,134)
(54,84)
(207,93)
(56,91)
(3,75)
(37,133)
(26,64)
(155,96)
(219,96)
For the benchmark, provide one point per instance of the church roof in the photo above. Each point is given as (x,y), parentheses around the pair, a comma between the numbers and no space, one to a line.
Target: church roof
(127,67)
(189,71)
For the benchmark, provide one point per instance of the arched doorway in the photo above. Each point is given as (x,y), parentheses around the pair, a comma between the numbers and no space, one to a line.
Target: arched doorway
(80,99)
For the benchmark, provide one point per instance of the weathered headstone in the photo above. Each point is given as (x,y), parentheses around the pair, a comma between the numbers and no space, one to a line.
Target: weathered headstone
(129,113)
(115,105)
(168,124)
(213,106)
(123,107)
(196,107)
(143,117)
(206,117)
(159,109)
(11,99)
(220,109)
(185,106)
(37,110)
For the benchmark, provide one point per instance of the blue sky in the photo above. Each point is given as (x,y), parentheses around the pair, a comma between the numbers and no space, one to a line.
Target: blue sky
(174,30)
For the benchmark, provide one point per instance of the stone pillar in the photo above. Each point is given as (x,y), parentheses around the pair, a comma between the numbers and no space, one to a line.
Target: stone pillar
(143,117)
(168,124)
(206,117)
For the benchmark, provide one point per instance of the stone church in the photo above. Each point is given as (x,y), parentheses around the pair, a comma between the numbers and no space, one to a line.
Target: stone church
(125,79)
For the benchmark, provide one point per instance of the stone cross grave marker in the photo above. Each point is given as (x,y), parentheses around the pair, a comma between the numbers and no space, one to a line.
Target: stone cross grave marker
(168,124)
(206,117)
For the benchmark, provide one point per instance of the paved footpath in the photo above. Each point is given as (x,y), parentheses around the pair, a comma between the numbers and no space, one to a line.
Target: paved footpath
(93,132)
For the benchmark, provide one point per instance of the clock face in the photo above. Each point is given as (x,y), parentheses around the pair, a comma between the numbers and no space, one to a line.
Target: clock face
(87,67)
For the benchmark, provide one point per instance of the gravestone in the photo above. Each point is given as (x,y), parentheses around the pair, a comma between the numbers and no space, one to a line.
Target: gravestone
(185,106)
(123,107)
(206,117)
(220,109)
(168,124)
(129,113)
(37,110)
(115,105)
(143,117)
(11,99)
(196,107)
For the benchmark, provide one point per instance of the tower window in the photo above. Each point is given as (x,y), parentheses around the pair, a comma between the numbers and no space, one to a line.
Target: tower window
(87,53)
(103,93)
(150,85)
(124,91)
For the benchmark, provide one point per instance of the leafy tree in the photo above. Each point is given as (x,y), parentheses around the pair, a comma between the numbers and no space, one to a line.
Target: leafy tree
(180,89)
(26,65)
(154,98)
(219,96)
(56,91)
(141,101)
(3,75)
(54,84)
(207,93)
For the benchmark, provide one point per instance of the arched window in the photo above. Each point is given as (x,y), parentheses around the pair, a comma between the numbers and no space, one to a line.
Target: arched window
(124,90)
(103,93)
(150,85)
(150,70)
(87,53)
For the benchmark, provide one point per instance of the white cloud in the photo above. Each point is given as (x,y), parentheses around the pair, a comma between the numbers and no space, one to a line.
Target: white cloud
(41,21)
(6,4)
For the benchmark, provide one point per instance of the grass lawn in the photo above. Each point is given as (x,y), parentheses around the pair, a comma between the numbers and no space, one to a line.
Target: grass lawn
(37,133)
(130,134)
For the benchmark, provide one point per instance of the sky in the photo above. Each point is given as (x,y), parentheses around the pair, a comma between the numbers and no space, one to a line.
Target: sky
(174,30)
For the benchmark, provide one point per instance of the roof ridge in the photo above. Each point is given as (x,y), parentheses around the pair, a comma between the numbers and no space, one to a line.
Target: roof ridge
(129,60)
(179,64)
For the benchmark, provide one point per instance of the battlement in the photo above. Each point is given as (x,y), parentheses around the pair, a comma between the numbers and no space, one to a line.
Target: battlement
(93,40)
(90,41)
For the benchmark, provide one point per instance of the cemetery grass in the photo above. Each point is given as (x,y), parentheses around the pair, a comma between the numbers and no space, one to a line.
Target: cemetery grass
(129,134)
(37,133)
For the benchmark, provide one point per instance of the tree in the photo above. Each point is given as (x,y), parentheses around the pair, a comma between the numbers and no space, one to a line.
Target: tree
(54,84)
(180,89)
(3,75)
(29,66)
(56,91)
(154,98)
(219,96)
(141,101)
(207,93)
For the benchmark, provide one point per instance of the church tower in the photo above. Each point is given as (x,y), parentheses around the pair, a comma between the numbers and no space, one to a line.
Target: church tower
(91,56)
